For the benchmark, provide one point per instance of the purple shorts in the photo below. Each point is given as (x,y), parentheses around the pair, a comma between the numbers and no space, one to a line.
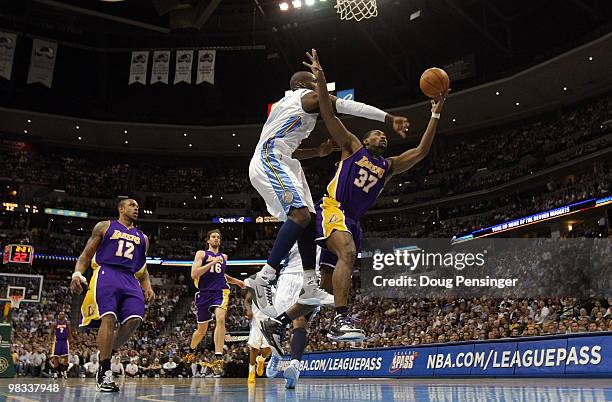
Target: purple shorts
(60,348)
(112,291)
(331,217)
(207,301)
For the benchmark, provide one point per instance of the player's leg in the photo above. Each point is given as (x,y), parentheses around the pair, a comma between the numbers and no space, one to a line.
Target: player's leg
(342,245)
(261,359)
(203,303)
(283,186)
(198,334)
(219,332)
(299,339)
(253,355)
(105,341)
(125,331)
(220,304)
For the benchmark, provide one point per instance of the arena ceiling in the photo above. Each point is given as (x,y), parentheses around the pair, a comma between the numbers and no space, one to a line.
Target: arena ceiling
(504,32)
(568,78)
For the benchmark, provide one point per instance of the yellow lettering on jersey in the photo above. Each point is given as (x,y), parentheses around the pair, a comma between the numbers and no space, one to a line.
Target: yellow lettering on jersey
(364,162)
(117,234)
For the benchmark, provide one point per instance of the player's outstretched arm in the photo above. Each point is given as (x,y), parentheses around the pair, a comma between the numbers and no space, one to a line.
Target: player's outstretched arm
(324,149)
(233,281)
(347,141)
(411,157)
(84,261)
(310,104)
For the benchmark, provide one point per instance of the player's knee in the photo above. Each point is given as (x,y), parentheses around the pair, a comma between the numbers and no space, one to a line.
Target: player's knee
(220,317)
(347,252)
(133,323)
(301,216)
(300,322)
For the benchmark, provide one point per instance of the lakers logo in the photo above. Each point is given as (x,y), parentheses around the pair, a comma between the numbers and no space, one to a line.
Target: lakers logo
(333,219)
(4,365)
(90,309)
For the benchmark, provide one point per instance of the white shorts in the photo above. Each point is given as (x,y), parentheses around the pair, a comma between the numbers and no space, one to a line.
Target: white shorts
(256,338)
(288,289)
(281,182)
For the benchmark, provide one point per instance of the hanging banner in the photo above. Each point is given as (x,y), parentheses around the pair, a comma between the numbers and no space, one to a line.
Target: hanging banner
(42,62)
(138,69)
(7,52)
(161,66)
(184,63)
(206,66)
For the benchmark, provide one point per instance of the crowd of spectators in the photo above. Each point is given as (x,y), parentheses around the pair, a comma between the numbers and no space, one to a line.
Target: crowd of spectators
(159,351)
(457,164)
(187,191)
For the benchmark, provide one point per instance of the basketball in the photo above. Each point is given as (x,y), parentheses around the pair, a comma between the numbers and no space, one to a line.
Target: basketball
(433,82)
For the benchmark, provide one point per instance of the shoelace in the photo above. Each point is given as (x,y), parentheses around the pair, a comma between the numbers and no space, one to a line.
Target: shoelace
(269,295)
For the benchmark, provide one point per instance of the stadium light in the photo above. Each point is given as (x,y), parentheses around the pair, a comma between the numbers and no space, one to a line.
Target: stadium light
(310,2)
(297,3)
(284,6)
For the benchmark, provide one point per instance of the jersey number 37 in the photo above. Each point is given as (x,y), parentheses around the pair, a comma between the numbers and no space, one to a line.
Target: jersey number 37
(366,180)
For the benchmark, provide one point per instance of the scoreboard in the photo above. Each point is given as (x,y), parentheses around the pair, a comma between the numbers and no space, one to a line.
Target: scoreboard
(18,254)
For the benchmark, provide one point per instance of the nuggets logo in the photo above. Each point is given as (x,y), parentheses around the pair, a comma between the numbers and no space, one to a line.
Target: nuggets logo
(402,360)
(4,364)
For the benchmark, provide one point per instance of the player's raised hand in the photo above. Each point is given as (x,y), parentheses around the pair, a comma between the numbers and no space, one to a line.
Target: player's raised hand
(400,125)
(438,103)
(314,65)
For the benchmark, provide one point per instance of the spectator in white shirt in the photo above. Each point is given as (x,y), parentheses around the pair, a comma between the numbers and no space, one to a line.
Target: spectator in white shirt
(131,369)
(117,367)
(91,367)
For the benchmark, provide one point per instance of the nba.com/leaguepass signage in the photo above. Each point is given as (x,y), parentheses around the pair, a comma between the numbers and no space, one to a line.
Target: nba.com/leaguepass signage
(555,356)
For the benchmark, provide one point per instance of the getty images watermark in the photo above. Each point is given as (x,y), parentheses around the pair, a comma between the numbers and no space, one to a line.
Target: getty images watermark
(486,267)
(414,259)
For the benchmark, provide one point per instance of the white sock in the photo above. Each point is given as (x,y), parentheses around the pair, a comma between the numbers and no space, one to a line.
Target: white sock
(251,368)
(295,362)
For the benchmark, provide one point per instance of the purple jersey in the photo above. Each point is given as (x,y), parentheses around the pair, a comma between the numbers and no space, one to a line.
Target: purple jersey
(358,181)
(61,330)
(121,248)
(214,278)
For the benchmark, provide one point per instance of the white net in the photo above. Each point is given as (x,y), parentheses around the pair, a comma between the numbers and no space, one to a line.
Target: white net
(356,9)
(15,300)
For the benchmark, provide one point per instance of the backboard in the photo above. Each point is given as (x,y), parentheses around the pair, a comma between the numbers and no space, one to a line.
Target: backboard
(28,285)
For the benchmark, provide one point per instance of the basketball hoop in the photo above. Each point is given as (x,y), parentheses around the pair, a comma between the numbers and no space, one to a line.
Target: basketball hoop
(15,300)
(356,9)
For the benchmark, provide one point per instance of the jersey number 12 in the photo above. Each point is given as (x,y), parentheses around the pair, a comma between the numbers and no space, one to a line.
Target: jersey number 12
(129,249)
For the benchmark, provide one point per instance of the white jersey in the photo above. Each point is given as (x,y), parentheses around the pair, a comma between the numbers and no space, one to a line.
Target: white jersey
(286,127)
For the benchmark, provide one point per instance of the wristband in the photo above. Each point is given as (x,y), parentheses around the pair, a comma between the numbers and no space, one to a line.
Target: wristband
(79,275)
(435,116)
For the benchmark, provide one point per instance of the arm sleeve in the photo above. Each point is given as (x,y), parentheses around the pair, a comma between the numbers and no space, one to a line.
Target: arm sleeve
(359,109)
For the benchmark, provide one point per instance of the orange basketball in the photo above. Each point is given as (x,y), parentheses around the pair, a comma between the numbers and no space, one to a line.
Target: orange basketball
(434,81)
